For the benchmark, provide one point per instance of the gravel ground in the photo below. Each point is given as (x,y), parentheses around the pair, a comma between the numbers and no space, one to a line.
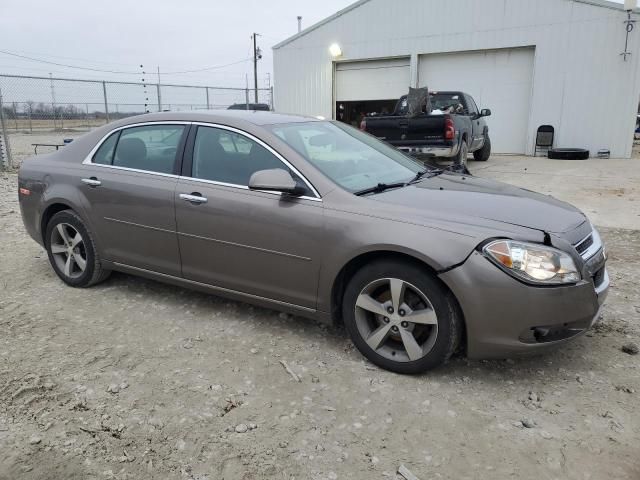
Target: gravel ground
(134,379)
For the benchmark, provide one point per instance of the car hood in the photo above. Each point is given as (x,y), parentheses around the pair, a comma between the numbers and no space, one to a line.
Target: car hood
(460,198)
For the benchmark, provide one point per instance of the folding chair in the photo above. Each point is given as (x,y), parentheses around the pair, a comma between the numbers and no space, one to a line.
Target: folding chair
(544,138)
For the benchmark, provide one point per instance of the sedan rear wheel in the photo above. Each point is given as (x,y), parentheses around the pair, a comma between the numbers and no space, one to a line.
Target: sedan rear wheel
(68,250)
(72,251)
(401,317)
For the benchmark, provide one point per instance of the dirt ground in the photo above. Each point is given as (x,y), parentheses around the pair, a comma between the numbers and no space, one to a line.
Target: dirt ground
(21,142)
(134,379)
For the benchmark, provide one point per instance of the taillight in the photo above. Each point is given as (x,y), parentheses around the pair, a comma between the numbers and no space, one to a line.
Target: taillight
(24,191)
(363,125)
(449,129)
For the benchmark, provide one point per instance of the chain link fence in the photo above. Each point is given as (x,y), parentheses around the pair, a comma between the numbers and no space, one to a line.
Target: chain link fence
(46,111)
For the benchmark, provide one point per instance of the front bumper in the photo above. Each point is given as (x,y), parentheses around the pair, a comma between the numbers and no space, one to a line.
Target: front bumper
(506,318)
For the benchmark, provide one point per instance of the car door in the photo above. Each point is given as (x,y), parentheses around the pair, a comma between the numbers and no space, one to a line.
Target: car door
(257,243)
(477,124)
(129,183)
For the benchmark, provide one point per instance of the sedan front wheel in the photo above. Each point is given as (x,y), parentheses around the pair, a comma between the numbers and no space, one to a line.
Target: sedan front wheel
(401,317)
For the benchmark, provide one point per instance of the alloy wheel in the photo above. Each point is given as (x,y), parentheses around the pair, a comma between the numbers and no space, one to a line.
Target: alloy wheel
(68,250)
(396,320)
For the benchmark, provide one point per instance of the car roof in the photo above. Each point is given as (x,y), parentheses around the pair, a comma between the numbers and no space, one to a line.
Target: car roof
(228,117)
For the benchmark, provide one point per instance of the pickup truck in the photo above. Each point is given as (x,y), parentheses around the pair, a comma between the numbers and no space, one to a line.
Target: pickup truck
(453,129)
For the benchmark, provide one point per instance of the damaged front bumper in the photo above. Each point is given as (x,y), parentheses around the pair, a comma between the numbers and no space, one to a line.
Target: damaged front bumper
(505,317)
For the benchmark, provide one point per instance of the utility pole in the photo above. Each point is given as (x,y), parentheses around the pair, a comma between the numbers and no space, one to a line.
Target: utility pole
(299,23)
(255,67)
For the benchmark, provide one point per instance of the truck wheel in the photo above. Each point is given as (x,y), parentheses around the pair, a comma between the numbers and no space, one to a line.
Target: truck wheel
(484,153)
(461,159)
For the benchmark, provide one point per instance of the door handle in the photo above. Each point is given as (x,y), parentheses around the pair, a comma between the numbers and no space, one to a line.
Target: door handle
(193,198)
(92,182)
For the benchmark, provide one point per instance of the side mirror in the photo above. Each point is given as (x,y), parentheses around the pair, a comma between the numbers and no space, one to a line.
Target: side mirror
(485,112)
(275,180)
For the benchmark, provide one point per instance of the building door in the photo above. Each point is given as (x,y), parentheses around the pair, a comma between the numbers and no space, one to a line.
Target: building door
(371,86)
(497,79)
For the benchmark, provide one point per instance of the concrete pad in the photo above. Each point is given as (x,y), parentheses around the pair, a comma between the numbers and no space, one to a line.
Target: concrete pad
(607,190)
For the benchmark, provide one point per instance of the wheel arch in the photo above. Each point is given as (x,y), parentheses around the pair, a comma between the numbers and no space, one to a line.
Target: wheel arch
(354,264)
(48,213)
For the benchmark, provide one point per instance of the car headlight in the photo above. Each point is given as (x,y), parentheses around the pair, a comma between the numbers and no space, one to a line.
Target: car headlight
(532,262)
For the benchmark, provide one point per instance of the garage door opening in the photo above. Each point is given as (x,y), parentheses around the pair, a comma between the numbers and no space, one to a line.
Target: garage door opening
(369,86)
(353,112)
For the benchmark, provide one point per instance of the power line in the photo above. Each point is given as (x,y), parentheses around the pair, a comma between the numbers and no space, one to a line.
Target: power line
(84,60)
(215,67)
(208,68)
(64,65)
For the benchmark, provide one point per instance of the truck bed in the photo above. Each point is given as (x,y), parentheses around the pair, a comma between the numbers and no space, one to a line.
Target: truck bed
(401,131)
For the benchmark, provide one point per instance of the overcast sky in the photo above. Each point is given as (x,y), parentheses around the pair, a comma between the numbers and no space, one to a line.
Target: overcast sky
(119,35)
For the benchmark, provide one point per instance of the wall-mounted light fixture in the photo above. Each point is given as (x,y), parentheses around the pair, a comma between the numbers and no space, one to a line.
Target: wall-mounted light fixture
(335,50)
(629,6)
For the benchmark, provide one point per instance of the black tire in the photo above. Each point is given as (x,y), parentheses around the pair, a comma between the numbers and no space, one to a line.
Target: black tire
(568,154)
(93,272)
(448,317)
(484,153)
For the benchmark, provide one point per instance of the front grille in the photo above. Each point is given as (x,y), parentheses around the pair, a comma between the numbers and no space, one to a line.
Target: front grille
(584,245)
(588,247)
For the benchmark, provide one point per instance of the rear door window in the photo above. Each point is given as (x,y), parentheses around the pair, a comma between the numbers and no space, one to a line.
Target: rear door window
(151,148)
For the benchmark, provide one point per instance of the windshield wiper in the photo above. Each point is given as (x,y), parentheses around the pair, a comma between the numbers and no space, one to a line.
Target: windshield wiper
(432,172)
(381,187)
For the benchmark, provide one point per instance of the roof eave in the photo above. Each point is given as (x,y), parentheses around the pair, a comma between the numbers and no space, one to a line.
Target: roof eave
(597,3)
(606,4)
(319,24)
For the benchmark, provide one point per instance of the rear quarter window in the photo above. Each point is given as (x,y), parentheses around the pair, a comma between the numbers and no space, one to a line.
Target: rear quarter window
(104,155)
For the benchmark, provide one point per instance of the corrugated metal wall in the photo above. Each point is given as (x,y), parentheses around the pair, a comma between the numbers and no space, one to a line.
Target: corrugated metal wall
(581,83)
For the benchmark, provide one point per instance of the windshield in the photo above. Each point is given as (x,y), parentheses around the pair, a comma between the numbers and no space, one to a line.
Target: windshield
(354,160)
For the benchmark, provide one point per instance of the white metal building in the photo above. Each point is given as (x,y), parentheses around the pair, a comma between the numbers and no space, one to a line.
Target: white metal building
(533,62)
